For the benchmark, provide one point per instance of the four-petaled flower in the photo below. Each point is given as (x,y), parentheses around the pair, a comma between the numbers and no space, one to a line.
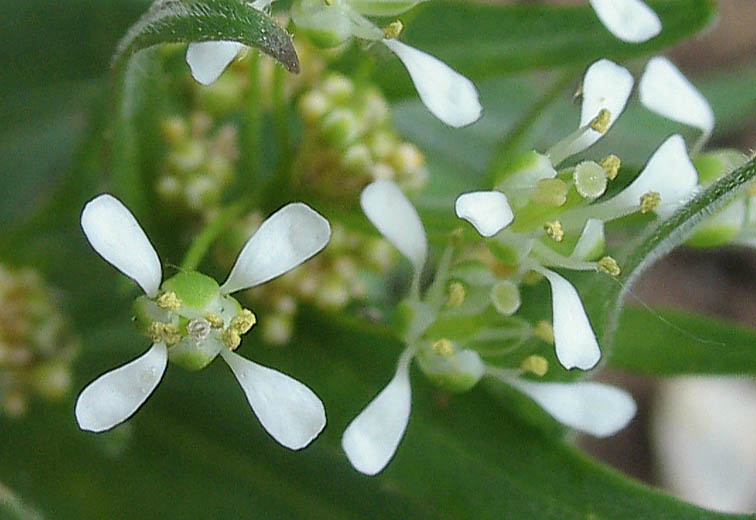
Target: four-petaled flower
(191,319)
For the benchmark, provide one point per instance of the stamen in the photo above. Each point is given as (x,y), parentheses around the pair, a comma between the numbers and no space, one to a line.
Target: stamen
(609,266)
(456,295)
(649,202)
(171,334)
(536,365)
(601,122)
(215,320)
(155,331)
(443,347)
(243,322)
(554,230)
(544,331)
(550,192)
(231,339)
(393,30)
(611,165)
(169,301)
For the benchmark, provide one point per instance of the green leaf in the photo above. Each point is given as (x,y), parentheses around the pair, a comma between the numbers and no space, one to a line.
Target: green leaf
(184,21)
(485,40)
(196,446)
(607,295)
(666,342)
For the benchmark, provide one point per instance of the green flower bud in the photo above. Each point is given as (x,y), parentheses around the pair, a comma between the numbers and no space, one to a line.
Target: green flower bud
(505,297)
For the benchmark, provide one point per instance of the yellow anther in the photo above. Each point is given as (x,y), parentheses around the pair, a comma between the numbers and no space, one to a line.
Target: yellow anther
(171,334)
(611,165)
(393,30)
(215,320)
(601,122)
(554,230)
(241,323)
(456,295)
(544,331)
(550,192)
(609,265)
(155,331)
(169,301)
(531,277)
(649,201)
(231,339)
(443,347)
(536,365)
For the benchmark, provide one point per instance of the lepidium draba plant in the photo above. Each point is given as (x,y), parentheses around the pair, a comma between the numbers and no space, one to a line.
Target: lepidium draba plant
(450,312)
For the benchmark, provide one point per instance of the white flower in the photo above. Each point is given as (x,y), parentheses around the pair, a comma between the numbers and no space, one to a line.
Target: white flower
(629,20)
(448,95)
(372,438)
(575,342)
(289,411)
(606,89)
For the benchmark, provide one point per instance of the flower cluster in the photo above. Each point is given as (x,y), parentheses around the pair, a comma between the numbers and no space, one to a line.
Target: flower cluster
(349,141)
(36,345)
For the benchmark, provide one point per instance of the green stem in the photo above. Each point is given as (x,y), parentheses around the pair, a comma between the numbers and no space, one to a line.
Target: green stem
(281,185)
(209,234)
(252,128)
(513,140)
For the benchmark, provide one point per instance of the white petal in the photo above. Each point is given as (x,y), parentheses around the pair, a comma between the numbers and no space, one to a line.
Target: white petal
(289,411)
(116,235)
(665,90)
(591,242)
(395,217)
(449,96)
(208,60)
(629,20)
(669,173)
(116,395)
(290,236)
(372,438)
(594,408)
(575,342)
(606,85)
(487,211)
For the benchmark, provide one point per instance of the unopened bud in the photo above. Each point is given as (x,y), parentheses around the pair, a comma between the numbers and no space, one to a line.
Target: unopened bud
(505,297)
